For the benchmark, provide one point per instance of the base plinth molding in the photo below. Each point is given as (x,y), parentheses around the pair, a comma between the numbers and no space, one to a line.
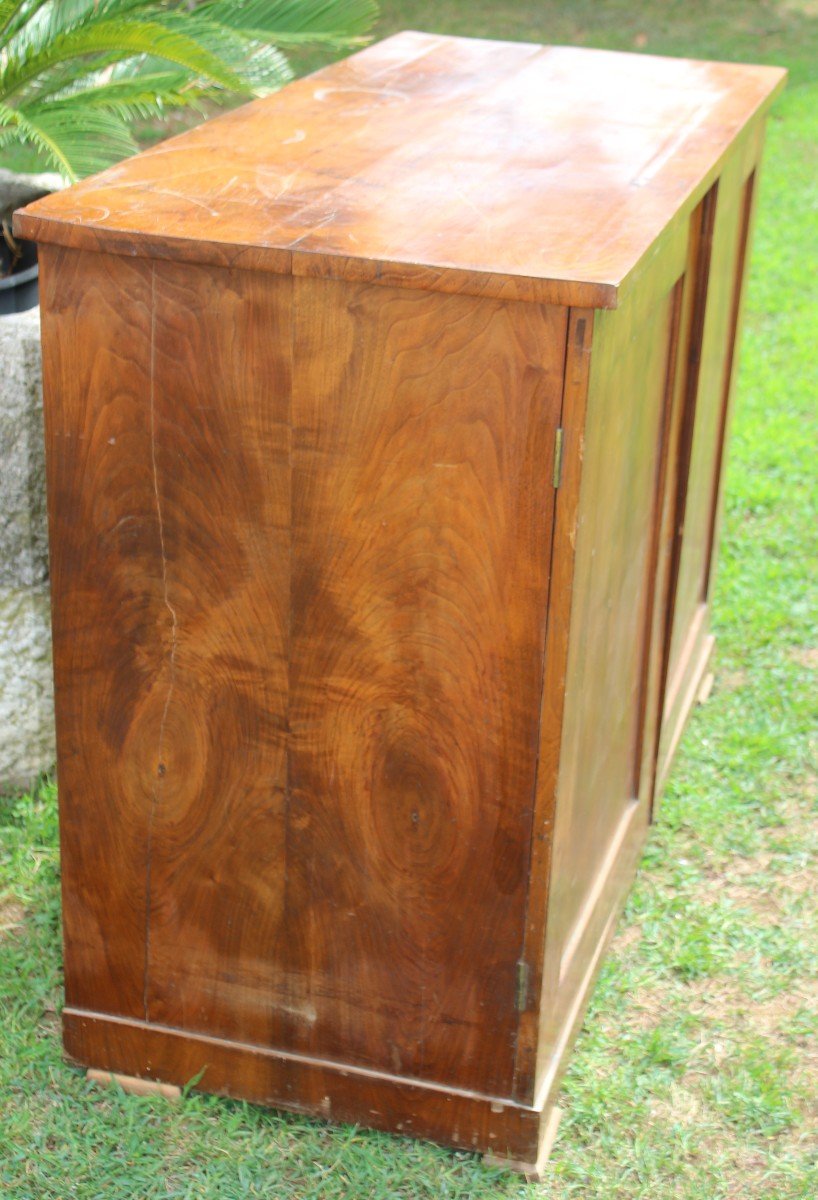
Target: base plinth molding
(533,1171)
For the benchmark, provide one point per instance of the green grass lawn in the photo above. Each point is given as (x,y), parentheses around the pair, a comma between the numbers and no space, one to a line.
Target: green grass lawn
(696,1075)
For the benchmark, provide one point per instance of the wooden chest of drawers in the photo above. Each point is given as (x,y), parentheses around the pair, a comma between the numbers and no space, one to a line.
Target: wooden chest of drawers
(385,426)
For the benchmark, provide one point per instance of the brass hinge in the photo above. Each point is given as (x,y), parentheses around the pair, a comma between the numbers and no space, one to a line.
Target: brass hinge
(522,986)
(558,457)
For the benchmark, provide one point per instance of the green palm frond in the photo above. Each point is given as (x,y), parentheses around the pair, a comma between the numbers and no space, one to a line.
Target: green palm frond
(39,22)
(123,37)
(337,23)
(137,97)
(15,13)
(234,47)
(73,142)
(76,74)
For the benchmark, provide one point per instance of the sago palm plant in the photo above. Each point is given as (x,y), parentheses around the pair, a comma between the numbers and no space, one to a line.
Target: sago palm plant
(76,75)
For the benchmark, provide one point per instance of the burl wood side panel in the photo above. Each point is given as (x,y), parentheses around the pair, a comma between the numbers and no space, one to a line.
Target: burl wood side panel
(423,430)
(301,536)
(167,392)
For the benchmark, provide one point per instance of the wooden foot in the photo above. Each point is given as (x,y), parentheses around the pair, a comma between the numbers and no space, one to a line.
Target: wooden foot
(705,688)
(134,1086)
(532,1171)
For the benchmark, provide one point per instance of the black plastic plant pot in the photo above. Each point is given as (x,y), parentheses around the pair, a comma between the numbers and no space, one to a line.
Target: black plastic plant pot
(18,286)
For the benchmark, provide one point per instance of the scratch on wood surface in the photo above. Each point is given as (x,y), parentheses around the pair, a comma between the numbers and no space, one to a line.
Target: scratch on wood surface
(469,203)
(388,93)
(165,191)
(174,630)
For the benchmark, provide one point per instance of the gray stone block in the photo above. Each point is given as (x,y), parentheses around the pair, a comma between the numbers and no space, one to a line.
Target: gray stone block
(26,688)
(23,532)
(26,692)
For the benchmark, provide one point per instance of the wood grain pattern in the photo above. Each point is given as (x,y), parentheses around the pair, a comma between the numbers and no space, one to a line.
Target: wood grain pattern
(363,699)
(100,497)
(169,502)
(220,397)
(326,643)
(421,540)
(329,1090)
(434,162)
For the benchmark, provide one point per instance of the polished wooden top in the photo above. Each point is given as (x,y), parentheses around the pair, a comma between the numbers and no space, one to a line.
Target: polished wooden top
(532,172)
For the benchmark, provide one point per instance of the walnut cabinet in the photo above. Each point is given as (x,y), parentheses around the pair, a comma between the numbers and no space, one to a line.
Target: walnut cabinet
(385,424)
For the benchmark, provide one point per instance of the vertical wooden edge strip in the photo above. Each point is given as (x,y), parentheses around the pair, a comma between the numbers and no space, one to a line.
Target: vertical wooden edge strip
(291,340)
(572,422)
(697,275)
(663,445)
(47,257)
(748,208)
(170,658)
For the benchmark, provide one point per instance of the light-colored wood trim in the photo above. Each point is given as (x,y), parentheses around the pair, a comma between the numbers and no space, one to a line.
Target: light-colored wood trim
(687,656)
(702,659)
(607,866)
(706,688)
(133,1085)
